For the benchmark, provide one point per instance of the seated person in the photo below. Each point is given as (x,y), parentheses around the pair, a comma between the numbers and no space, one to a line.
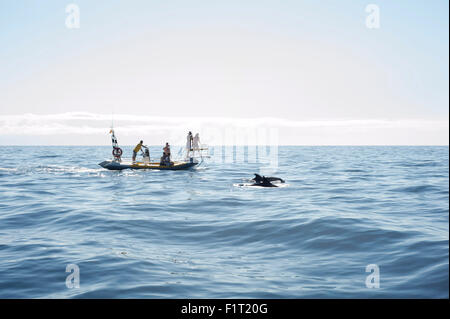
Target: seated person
(165,159)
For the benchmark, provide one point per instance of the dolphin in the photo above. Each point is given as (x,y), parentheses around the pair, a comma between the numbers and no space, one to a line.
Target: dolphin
(258,179)
(264,182)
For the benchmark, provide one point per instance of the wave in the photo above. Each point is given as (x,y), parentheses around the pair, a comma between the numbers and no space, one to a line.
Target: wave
(416,189)
(161,234)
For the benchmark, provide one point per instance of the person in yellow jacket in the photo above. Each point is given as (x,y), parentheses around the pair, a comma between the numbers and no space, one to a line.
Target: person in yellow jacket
(137,149)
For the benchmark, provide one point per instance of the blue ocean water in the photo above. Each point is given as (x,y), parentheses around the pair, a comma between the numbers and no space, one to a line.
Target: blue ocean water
(195,234)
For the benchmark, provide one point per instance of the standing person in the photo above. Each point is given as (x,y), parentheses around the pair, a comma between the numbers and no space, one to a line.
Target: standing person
(196,141)
(137,149)
(196,144)
(167,150)
(188,144)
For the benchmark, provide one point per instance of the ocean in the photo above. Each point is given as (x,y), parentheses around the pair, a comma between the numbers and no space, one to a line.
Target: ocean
(350,222)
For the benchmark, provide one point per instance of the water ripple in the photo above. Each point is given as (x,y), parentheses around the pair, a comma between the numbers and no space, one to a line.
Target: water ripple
(196,234)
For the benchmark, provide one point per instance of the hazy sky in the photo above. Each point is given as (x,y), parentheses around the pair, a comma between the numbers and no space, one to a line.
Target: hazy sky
(311,69)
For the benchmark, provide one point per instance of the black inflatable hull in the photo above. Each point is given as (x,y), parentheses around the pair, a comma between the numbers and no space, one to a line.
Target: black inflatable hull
(115,166)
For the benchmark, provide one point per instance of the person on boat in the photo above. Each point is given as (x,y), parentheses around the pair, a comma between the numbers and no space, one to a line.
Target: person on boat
(146,154)
(167,150)
(196,144)
(165,159)
(189,142)
(137,149)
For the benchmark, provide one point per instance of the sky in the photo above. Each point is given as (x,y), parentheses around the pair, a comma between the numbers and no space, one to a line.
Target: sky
(311,70)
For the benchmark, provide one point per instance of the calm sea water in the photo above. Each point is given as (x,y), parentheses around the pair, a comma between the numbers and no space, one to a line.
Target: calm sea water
(195,234)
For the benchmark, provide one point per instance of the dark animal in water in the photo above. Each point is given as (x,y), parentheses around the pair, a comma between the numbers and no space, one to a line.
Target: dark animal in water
(258,179)
(262,181)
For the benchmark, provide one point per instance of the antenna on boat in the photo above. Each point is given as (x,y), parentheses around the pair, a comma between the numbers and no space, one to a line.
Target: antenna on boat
(112,120)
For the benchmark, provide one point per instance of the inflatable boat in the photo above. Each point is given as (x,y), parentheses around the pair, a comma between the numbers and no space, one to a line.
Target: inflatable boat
(117,163)
(174,166)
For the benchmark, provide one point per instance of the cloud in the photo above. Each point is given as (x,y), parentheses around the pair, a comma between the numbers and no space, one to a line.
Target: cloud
(322,131)
(70,122)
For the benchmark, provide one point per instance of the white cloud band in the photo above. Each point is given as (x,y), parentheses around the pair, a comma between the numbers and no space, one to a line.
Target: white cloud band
(316,131)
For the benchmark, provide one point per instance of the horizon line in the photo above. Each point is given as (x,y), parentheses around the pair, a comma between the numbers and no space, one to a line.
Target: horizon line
(230,145)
